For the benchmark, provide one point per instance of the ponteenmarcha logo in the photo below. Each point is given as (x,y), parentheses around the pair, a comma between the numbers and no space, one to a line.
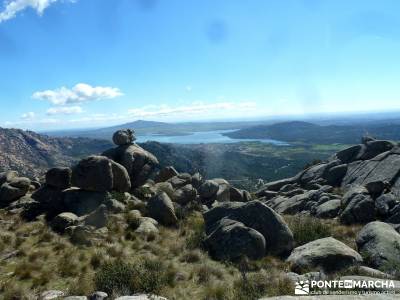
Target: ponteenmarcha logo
(302,287)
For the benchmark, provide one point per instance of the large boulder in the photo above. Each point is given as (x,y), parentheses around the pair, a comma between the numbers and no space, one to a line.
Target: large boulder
(7,176)
(97,218)
(50,199)
(277,185)
(380,245)
(10,193)
(161,208)
(358,205)
(165,174)
(293,204)
(223,193)
(139,163)
(123,137)
(208,189)
(334,175)
(376,147)
(232,240)
(22,183)
(93,174)
(63,220)
(328,209)
(180,180)
(82,202)
(385,203)
(256,215)
(349,154)
(185,194)
(327,254)
(237,195)
(121,179)
(59,178)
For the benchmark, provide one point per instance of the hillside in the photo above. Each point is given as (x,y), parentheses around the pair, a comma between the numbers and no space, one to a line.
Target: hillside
(31,153)
(305,132)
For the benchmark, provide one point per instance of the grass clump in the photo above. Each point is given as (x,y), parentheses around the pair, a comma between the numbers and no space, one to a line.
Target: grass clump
(194,229)
(144,276)
(307,229)
(114,278)
(256,285)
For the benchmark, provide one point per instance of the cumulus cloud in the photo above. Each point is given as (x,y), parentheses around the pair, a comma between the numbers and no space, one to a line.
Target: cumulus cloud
(64,110)
(80,93)
(13,7)
(28,116)
(193,109)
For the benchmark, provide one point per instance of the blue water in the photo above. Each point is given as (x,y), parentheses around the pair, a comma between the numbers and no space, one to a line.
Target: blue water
(202,137)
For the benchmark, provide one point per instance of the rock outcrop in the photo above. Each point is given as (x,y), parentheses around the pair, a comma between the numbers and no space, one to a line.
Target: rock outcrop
(368,174)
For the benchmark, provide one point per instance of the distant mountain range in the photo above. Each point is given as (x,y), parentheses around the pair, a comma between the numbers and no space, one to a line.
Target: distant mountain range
(305,132)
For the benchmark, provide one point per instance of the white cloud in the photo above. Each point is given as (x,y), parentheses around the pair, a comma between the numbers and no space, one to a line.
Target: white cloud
(65,110)
(13,7)
(28,116)
(193,109)
(81,92)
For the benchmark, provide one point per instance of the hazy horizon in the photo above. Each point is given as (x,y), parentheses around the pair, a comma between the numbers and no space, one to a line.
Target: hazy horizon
(90,63)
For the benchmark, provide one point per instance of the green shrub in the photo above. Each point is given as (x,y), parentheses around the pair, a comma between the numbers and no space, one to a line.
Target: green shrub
(307,229)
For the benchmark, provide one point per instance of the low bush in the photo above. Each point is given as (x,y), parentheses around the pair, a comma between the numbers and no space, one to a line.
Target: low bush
(307,229)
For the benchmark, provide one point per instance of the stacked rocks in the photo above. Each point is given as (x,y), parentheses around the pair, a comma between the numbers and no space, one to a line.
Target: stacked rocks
(139,163)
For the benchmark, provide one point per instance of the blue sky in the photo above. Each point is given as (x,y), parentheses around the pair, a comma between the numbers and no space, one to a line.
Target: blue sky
(84,63)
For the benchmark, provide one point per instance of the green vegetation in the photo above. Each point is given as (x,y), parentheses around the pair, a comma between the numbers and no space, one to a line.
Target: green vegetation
(306,229)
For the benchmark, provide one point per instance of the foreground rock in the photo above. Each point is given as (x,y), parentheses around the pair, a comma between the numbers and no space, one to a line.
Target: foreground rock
(232,240)
(258,216)
(327,254)
(380,244)
(160,207)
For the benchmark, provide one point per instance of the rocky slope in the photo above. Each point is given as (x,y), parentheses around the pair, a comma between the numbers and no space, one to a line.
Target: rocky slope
(31,154)
(124,187)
